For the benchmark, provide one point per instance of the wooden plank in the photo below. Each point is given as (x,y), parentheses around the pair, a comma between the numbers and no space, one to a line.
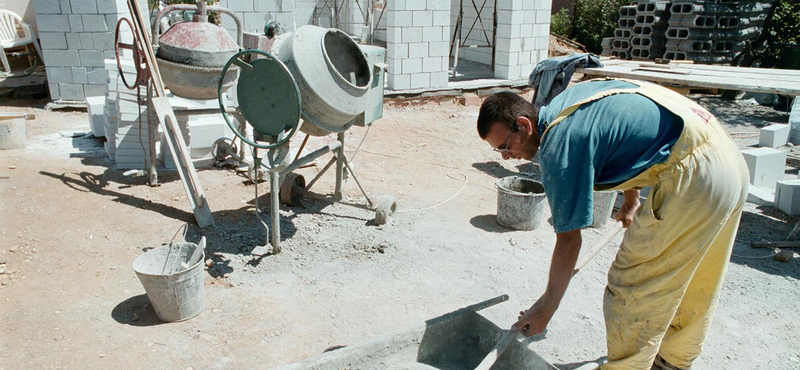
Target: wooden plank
(778,244)
(663,70)
(786,87)
(741,74)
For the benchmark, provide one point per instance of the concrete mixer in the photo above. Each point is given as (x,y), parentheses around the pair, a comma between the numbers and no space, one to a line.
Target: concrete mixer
(314,80)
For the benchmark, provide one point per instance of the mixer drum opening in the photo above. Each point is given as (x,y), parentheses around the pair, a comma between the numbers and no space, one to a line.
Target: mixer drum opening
(346,58)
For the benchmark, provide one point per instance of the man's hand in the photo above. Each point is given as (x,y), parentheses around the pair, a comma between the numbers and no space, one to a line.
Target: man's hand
(628,208)
(535,319)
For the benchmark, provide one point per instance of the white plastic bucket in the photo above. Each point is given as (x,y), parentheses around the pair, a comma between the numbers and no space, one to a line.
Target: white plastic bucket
(603,206)
(521,203)
(12,130)
(178,296)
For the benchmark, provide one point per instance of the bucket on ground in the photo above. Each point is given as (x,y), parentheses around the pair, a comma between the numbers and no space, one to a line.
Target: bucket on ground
(521,203)
(602,207)
(12,130)
(174,288)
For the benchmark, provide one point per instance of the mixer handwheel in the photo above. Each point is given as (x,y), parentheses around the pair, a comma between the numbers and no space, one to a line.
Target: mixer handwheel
(292,188)
(138,56)
(387,204)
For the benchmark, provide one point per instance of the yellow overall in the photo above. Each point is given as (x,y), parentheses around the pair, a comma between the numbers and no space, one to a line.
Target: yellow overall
(664,284)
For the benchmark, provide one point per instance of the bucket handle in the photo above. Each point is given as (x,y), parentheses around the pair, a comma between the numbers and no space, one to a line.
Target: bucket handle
(185,228)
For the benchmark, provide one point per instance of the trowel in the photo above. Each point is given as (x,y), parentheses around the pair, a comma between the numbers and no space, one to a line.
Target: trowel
(511,335)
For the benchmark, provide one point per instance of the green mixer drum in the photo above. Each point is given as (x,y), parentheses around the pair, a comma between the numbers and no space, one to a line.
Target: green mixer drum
(268,97)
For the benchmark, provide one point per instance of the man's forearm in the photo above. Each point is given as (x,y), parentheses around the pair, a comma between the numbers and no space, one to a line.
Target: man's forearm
(631,196)
(567,249)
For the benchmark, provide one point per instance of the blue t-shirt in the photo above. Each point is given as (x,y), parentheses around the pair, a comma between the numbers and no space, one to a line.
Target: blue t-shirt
(605,142)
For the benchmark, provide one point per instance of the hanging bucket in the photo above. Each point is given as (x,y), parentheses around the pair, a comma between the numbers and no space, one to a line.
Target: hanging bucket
(521,203)
(174,289)
(603,205)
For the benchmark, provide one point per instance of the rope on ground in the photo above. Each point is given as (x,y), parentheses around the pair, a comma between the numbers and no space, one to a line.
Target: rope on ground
(352,157)
(449,174)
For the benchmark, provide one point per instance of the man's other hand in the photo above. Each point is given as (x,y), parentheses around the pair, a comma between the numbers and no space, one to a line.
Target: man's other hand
(628,208)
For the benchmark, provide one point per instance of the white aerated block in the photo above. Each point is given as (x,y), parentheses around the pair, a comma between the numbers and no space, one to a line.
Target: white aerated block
(766,166)
(787,196)
(774,136)
(94,106)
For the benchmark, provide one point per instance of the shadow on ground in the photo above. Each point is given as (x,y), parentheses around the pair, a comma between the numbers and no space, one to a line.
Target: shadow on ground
(136,311)
(771,225)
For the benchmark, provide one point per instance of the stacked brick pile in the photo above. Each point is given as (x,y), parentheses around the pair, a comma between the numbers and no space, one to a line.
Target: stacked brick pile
(621,45)
(650,26)
(76,35)
(713,31)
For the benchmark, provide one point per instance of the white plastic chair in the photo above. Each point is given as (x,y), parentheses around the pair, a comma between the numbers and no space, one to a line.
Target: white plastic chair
(10,38)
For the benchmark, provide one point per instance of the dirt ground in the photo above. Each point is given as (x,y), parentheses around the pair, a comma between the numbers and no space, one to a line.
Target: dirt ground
(72,225)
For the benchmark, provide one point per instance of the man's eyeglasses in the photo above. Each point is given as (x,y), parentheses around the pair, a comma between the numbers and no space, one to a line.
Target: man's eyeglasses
(504,148)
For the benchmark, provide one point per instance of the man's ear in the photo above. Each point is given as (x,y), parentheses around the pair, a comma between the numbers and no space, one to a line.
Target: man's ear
(523,123)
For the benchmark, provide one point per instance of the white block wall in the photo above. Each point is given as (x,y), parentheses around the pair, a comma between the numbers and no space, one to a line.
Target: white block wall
(76,35)
(523,31)
(417,33)
(255,14)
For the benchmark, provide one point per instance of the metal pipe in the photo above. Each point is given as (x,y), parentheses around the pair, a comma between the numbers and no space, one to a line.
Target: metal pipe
(275,226)
(337,194)
(350,169)
(310,157)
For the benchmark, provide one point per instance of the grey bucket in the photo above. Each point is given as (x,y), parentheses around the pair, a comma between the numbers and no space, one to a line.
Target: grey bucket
(521,203)
(177,296)
(602,207)
(12,130)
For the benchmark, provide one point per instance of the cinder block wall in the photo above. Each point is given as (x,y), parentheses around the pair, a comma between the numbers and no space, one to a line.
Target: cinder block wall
(76,35)
(417,33)
(254,14)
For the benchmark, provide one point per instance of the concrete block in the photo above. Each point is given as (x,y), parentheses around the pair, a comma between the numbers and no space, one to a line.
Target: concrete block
(56,75)
(422,18)
(71,91)
(86,41)
(61,58)
(761,196)
(526,30)
(79,75)
(103,40)
(53,40)
(542,17)
(416,5)
(110,6)
(46,7)
(794,122)
(394,35)
(204,130)
(95,90)
(438,4)
(54,93)
(395,5)
(52,23)
(399,51)
(94,108)
(95,23)
(418,50)
(240,5)
(441,18)
(66,8)
(266,5)
(395,66)
(439,49)
(75,23)
(91,58)
(399,18)
(766,166)
(420,80)
(470,100)
(97,76)
(84,7)
(774,136)
(255,21)
(787,196)
(398,81)
(108,54)
(412,66)
(432,64)
(432,34)
(412,34)
(440,79)
(73,41)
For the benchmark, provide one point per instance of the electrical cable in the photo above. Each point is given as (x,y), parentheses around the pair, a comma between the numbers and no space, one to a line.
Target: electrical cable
(466,180)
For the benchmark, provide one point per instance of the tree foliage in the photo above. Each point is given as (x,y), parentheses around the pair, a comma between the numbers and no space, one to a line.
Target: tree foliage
(561,23)
(594,20)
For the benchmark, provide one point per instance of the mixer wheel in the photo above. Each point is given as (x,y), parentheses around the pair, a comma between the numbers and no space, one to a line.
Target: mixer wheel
(292,189)
(387,204)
